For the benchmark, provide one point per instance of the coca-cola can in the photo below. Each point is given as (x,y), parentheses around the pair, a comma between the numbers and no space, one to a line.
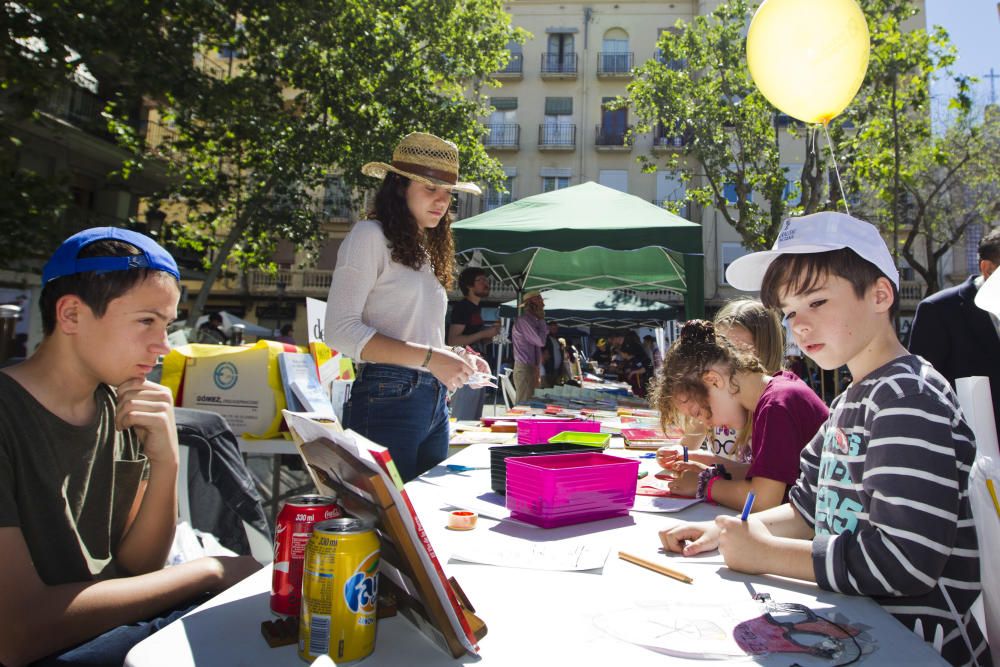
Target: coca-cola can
(291,534)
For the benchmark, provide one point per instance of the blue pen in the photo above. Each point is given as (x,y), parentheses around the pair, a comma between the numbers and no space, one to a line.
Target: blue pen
(454,467)
(747,506)
(648,455)
(685,455)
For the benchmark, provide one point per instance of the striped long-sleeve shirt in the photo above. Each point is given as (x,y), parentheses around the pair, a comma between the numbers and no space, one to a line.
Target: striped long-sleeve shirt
(885,486)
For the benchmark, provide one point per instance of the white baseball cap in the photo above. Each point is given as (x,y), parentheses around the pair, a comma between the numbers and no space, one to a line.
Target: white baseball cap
(818,232)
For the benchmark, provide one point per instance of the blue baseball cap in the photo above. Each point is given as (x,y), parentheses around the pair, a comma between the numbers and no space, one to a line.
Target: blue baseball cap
(64,261)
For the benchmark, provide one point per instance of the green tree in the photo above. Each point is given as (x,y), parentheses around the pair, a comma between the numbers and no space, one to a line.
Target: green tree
(700,88)
(321,86)
(922,188)
(127,50)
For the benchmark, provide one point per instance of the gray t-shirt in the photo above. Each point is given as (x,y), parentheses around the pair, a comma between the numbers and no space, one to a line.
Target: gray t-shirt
(885,486)
(68,488)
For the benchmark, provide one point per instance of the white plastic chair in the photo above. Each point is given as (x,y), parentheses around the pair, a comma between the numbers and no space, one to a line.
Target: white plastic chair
(260,544)
(507,388)
(976,399)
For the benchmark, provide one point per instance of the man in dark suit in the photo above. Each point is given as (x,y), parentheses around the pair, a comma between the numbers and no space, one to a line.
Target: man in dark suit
(957,337)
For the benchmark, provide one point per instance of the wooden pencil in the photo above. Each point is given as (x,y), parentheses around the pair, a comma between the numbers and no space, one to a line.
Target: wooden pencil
(656,567)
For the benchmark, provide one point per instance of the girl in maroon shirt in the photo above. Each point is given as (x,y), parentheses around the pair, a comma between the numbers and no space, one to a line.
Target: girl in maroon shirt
(707,378)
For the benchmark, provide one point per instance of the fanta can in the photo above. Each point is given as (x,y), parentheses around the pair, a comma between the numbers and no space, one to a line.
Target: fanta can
(339,591)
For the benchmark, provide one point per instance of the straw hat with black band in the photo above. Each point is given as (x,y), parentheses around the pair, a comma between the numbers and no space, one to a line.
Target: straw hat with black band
(424,158)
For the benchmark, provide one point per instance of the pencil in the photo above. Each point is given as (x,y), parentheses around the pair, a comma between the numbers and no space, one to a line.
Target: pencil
(993,495)
(656,567)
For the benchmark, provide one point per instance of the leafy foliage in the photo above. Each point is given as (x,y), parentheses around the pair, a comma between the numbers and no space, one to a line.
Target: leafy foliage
(700,88)
(883,142)
(299,90)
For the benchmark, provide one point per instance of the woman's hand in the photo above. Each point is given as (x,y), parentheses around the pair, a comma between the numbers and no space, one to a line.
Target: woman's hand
(449,368)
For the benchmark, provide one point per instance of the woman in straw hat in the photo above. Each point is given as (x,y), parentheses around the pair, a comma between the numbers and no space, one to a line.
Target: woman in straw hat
(387,305)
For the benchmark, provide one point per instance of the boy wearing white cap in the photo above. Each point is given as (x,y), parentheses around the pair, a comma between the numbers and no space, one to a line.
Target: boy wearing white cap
(881,507)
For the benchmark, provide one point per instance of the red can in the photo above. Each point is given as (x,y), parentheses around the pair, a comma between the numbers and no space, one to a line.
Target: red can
(291,534)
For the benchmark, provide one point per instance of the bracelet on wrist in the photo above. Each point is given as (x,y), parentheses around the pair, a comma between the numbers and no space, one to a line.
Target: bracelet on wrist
(708,488)
(704,477)
(427,358)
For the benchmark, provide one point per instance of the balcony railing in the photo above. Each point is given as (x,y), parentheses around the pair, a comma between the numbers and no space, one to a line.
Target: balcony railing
(78,106)
(157,135)
(503,135)
(559,64)
(664,141)
(613,136)
(675,64)
(298,282)
(515,66)
(559,136)
(614,63)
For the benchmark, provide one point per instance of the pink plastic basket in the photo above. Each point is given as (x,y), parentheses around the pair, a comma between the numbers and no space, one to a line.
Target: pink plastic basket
(564,489)
(538,431)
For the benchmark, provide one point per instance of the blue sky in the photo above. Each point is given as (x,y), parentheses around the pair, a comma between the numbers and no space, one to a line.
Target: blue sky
(974,27)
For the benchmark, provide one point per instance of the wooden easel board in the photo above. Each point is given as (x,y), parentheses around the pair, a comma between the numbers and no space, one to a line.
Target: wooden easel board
(364,493)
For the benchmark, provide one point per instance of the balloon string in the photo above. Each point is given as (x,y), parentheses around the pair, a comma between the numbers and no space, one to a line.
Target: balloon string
(836,169)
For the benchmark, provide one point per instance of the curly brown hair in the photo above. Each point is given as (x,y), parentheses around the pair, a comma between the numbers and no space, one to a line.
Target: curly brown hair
(410,245)
(698,350)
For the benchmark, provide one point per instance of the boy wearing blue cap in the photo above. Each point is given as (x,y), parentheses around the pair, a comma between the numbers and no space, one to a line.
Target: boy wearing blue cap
(881,507)
(88,463)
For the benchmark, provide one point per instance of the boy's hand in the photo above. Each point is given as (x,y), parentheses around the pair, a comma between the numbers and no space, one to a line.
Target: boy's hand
(744,544)
(691,538)
(149,409)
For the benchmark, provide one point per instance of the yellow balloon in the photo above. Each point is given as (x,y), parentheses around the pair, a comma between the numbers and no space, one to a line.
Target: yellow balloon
(808,57)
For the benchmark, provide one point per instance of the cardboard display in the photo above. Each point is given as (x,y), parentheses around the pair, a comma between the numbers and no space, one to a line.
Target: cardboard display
(364,478)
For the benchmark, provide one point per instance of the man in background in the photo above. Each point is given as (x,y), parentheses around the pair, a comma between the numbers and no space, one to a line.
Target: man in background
(467,329)
(210,332)
(957,337)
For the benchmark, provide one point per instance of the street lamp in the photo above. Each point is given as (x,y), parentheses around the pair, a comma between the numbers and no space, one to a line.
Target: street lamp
(154,221)
(281,285)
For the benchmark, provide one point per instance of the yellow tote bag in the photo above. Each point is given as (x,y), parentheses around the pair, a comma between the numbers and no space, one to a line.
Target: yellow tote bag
(243,384)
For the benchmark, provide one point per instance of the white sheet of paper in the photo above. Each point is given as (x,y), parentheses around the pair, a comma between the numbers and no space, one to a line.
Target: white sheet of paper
(662,505)
(535,556)
(481,507)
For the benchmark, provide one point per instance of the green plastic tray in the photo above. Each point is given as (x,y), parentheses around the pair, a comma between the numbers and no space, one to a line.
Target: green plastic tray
(579,438)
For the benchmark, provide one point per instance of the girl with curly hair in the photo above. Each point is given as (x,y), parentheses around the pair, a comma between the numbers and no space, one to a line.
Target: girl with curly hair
(387,304)
(748,324)
(707,378)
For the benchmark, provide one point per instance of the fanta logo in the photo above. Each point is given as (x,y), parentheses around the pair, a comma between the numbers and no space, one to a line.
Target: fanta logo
(361,589)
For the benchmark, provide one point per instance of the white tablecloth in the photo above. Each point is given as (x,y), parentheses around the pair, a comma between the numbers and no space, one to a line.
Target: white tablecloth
(534,617)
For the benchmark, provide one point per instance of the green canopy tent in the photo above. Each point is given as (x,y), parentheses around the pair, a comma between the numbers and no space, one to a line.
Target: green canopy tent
(611,309)
(591,236)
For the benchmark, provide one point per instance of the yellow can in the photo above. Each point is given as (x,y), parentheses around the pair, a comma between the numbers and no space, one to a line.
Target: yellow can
(339,591)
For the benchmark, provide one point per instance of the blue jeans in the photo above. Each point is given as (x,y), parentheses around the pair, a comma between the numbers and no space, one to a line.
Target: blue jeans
(405,411)
(110,649)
